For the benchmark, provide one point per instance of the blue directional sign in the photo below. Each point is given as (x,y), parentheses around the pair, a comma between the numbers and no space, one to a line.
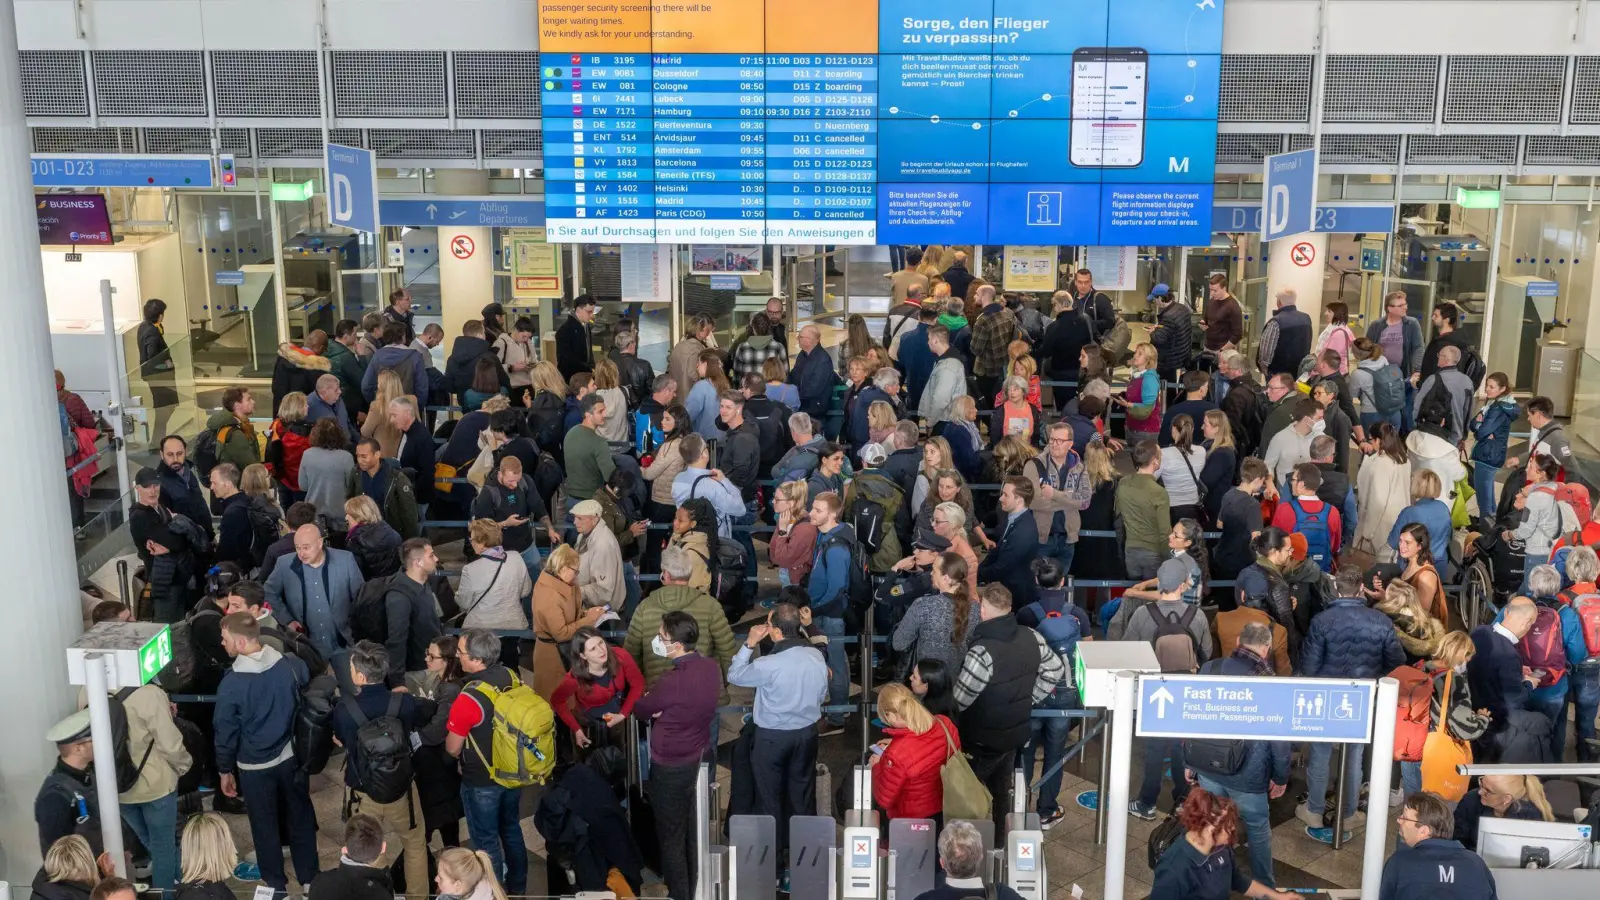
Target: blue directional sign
(1291,194)
(1331,218)
(1299,709)
(352,187)
(71,170)
(480,212)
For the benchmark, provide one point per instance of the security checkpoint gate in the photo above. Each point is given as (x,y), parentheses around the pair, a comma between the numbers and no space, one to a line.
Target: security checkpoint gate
(812,848)
(913,858)
(752,858)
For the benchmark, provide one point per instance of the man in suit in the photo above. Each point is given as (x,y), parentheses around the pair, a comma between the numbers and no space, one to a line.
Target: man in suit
(416,453)
(1496,676)
(1009,561)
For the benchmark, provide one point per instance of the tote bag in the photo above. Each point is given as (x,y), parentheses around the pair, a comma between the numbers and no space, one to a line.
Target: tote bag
(1442,753)
(965,797)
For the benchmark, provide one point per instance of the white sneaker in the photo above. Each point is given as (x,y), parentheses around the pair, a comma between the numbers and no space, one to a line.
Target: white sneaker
(1396,797)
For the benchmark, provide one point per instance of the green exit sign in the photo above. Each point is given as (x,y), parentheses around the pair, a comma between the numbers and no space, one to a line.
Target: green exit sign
(155,654)
(298,193)
(1470,198)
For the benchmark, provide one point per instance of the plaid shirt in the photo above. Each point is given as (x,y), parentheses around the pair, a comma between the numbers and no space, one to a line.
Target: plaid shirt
(992,333)
(747,358)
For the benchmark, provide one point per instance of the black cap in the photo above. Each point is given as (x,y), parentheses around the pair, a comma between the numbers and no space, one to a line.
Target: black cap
(928,540)
(146,478)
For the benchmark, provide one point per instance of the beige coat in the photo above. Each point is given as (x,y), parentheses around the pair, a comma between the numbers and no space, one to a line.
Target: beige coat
(377,427)
(1383,489)
(555,619)
(683,363)
(699,550)
(665,467)
(510,350)
(600,568)
(150,726)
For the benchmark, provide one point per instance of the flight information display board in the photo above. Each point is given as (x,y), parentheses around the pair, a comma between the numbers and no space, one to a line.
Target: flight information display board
(1090,122)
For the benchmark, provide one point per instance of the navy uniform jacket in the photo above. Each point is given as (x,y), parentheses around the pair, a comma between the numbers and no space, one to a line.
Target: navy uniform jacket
(1437,869)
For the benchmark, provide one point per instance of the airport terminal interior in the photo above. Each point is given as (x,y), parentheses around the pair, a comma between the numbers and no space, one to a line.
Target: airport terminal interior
(1110,448)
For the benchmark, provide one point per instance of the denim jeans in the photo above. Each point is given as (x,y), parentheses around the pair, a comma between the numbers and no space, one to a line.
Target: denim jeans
(1410,777)
(156,824)
(533,560)
(1370,420)
(1155,750)
(1553,703)
(1407,419)
(1050,734)
(1483,483)
(838,665)
(1318,777)
(630,590)
(1059,548)
(742,535)
(1585,678)
(1253,813)
(492,822)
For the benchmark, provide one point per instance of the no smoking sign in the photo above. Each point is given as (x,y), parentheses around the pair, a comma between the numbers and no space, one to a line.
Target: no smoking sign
(461,247)
(1303,254)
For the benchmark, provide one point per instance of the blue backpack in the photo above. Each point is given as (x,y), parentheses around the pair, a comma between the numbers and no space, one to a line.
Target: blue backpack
(1319,541)
(1061,631)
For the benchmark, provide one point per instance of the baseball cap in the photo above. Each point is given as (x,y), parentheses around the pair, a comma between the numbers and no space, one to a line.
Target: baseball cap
(1159,290)
(928,540)
(586,508)
(873,455)
(1172,575)
(146,478)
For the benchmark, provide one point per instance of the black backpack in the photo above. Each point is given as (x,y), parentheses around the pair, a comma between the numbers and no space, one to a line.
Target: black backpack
(313,724)
(858,589)
(299,645)
(127,770)
(867,517)
(1214,756)
(1472,366)
(772,423)
(547,477)
(182,674)
(206,447)
(369,614)
(383,757)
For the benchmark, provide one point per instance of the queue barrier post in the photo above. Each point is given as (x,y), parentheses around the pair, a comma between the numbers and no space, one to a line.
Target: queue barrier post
(1114,796)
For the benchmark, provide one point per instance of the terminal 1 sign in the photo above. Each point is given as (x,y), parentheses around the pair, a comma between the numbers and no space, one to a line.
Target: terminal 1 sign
(1044,122)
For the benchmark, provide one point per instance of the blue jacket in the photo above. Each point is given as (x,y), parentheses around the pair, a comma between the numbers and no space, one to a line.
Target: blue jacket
(318,409)
(255,709)
(829,585)
(1009,562)
(1434,515)
(857,432)
(965,452)
(1495,675)
(812,373)
(318,599)
(394,356)
(1572,642)
(1439,868)
(1348,640)
(1492,429)
(916,360)
(705,410)
(1265,762)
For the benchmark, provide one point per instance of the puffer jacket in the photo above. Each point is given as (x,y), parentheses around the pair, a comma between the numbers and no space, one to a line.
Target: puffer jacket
(1261,586)
(1348,640)
(905,780)
(286,445)
(666,465)
(716,637)
(296,369)
(1173,336)
(1265,762)
(1491,429)
(1429,450)
(376,548)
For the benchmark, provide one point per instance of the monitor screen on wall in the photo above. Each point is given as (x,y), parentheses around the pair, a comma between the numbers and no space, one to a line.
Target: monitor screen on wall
(73,219)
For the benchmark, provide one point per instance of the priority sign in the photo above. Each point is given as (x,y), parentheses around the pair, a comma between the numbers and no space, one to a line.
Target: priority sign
(1301,709)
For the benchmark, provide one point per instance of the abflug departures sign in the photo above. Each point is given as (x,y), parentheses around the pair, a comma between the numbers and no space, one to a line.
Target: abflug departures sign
(895,121)
(73,219)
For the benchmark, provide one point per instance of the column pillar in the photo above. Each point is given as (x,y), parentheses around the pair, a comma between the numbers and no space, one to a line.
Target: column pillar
(466,286)
(1283,272)
(42,610)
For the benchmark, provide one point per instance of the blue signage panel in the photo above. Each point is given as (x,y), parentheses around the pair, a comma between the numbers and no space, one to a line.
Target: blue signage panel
(1543,289)
(1331,218)
(1291,194)
(727,282)
(352,188)
(232,277)
(481,212)
(1300,709)
(68,170)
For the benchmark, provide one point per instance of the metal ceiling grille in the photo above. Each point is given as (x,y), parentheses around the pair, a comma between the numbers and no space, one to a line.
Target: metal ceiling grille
(402,84)
(1461,150)
(1360,149)
(149,83)
(1586,90)
(53,83)
(1380,88)
(300,143)
(1575,149)
(255,83)
(1300,142)
(496,85)
(1265,87)
(416,143)
(1247,149)
(517,145)
(84,140)
(196,140)
(1502,89)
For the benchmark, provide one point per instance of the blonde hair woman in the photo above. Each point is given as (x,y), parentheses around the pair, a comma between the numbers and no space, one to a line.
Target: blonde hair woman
(1419,631)
(950,523)
(70,861)
(961,431)
(371,540)
(794,541)
(935,456)
(209,856)
(256,481)
(880,424)
(906,765)
(1450,657)
(377,425)
(547,378)
(557,614)
(1142,397)
(468,875)
(287,439)
(608,384)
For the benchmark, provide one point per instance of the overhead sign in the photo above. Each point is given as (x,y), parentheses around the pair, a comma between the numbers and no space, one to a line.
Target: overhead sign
(119,170)
(727,282)
(293,191)
(1301,709)
(1330,218)
(1291,194)
(154,655)
(461,247)
(352,187)
(462,212)
(1303,254)
(131,652)
(73,219)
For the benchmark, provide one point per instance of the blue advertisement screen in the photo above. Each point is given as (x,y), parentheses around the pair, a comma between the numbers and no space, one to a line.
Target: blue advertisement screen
(956,121)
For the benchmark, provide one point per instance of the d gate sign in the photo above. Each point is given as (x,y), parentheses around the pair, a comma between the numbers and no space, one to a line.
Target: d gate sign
(353,188)
(1301,709)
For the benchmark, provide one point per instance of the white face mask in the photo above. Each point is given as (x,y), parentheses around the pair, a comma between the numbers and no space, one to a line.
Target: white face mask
(1319,427)
(658,646)
(1461,669)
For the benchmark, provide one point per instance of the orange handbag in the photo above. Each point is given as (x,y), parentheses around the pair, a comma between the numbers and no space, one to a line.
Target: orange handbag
(1442,752)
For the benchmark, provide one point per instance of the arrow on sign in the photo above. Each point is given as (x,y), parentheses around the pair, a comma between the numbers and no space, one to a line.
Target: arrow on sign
(432,210)
(1161,698)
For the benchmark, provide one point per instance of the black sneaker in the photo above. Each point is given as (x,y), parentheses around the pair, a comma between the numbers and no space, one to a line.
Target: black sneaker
(1048,822)
(1138,811)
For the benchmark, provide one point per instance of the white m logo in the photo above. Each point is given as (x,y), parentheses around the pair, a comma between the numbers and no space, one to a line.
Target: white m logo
(1447,874)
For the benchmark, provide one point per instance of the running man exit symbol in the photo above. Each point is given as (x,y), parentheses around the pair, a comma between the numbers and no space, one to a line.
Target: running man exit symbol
(1044,207)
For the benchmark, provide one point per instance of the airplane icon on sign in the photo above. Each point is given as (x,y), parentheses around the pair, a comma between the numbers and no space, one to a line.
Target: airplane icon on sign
(1206,3)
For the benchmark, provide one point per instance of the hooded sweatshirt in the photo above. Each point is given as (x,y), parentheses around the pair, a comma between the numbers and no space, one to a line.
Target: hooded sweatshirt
(255,710)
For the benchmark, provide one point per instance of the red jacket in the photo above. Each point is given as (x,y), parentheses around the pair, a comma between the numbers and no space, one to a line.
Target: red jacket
(629,681)
(284,461)
(1283,517)
(905,782)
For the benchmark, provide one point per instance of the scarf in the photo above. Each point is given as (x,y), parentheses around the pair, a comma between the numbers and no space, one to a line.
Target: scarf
(971,429)
(1258,666)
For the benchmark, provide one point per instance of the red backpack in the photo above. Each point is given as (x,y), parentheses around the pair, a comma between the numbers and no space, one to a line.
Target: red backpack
(1412,723)
(1574,495)
(1541,647)
(1587,606)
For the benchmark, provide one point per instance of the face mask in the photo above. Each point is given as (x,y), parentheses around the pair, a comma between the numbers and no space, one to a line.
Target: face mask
(658,646)
(1319,427)
(1461,669)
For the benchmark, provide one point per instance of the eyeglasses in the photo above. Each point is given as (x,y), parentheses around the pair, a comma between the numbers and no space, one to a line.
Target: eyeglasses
(1402,820)
(432,657)
(1060,440)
